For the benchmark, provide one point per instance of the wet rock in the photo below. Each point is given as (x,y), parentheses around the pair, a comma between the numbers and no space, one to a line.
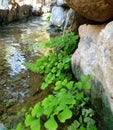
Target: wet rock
(3,16)
(3,127)
(19,12)
(25,11)
(95,56)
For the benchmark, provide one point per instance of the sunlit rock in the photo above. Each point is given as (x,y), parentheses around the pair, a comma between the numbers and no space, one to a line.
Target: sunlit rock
(97,10)
(61,2)
(57,19)
(95,56)
(4,4)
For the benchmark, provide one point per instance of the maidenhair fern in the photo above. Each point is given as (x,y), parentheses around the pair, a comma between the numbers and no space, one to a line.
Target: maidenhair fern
(67,98)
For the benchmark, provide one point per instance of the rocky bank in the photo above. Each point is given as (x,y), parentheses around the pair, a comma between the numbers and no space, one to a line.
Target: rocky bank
(12,10)
(93,21)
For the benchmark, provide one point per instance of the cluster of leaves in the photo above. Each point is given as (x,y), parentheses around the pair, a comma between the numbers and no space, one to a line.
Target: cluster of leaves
(67,98)
(57,65)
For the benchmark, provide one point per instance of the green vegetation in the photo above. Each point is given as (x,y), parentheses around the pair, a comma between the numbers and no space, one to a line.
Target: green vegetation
(67,100)
(48,17)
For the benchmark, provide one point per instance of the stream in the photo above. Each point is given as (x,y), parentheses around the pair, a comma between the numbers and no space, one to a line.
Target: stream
(19,43)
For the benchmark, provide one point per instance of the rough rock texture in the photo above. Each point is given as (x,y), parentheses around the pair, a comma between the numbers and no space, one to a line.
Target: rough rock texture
(57,19)
(95,56)
(97,10)
(61,3)
(19,12)
(74,20)
(3,16)
(69,19)
(14,10)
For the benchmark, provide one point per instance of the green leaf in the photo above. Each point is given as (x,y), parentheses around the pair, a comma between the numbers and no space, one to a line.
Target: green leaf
(59,108)
(35,125)
(91,125)
(74,125)
(28,120)
(66,59)
(80,96)
(60,66)
(44,85)
(49,104)
(37,110)
(67,66)
(51,124)
(19,127)
(48,111)
(54,69)
(48,100)
(58,85)
(64,83)
(70,85)
(82,128)
(79,85)
(60,56)
(66,114)
(86,86)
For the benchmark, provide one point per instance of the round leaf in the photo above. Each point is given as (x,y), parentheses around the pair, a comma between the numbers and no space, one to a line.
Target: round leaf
(66,114)
(51,124)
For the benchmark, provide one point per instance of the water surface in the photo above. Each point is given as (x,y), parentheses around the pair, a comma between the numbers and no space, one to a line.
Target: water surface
(19,42)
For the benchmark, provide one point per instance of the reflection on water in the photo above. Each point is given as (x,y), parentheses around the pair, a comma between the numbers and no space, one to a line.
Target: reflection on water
(17,43)
(15,58)
(16,35)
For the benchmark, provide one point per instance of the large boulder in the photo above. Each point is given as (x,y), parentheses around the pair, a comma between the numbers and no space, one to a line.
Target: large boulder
(74,20)
(95,56)
(97,10)
(19,12)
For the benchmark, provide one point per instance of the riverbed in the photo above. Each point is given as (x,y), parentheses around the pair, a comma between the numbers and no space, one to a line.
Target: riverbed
(20,42)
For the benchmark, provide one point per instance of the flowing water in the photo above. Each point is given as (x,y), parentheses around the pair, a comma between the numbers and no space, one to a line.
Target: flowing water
(19,42)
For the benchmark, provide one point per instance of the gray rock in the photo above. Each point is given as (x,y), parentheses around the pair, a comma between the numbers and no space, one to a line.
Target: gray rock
(95,56)
(61,3)
(57,19)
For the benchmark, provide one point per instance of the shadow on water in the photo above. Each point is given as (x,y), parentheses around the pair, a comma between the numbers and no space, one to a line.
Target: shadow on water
(20,42)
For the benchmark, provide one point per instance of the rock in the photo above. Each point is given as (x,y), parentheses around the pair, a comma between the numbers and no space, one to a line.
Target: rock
(74,20)
(4,5)
(70,24)
(37,10)
(96,10)
(95,56)
(61,3)
(2,127)
(57,19)
(3,16)
(24,11)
